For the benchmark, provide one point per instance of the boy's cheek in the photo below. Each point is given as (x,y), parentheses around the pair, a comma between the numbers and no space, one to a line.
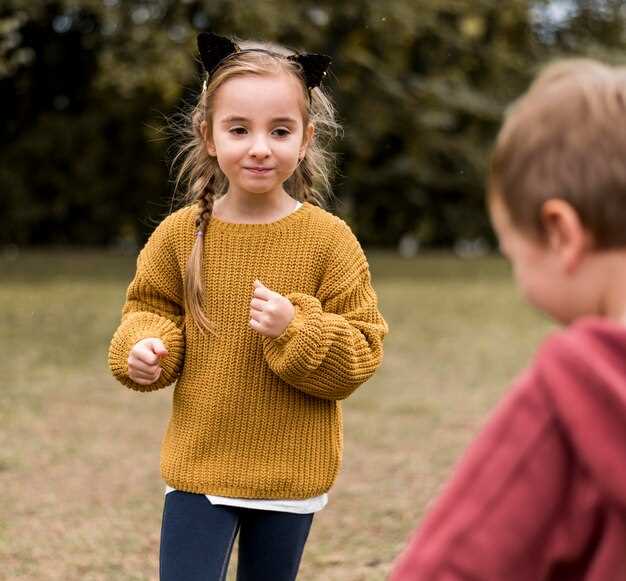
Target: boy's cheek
(541,299)
(527,289)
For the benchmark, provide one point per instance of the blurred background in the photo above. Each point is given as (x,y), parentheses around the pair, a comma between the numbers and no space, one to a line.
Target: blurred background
(420,87)
(87,88)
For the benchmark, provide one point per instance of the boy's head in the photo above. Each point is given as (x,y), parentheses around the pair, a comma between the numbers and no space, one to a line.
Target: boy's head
(557,184)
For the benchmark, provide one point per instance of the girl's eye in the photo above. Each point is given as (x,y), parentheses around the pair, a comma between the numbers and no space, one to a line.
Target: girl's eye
(238,130)
(281,132)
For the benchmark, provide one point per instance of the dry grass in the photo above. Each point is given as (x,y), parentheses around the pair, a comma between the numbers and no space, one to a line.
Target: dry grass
(81,493)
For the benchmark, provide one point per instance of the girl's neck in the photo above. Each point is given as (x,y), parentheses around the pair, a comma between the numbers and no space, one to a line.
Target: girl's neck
(248,208)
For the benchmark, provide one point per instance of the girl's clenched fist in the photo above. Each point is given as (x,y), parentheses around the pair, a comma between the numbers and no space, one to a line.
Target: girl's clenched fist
(144,361)
(270,312)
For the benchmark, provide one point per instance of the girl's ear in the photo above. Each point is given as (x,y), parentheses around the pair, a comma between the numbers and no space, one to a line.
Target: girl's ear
(208,141)
(309,131)
(565,233)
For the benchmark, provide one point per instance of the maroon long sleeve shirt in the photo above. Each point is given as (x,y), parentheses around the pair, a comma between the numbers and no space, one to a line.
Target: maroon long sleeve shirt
(541,493)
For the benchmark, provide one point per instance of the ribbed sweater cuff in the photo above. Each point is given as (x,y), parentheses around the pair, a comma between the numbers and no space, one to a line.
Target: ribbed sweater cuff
(295,351)
(136,327)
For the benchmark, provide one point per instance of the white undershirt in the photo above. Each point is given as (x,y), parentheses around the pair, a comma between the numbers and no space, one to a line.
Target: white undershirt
(305,506)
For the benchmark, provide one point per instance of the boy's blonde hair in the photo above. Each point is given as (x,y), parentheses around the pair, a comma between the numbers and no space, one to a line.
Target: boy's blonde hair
(566,138)
(202,177)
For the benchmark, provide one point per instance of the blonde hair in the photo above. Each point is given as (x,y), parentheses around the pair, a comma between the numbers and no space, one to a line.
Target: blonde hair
(205,181)
(566,138)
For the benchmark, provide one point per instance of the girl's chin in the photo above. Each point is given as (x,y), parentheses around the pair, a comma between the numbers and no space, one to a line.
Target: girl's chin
(252,189)
(256,186)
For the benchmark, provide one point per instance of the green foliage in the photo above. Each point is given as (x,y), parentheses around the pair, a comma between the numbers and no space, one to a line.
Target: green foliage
(420,88)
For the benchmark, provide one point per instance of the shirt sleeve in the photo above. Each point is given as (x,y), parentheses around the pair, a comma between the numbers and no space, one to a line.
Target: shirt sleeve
(530,491)
(153,308)
(585,378)
(494,516)
(335,341)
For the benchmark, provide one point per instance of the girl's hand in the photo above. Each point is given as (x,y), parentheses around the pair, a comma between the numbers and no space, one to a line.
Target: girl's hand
(144,360)
(270,312)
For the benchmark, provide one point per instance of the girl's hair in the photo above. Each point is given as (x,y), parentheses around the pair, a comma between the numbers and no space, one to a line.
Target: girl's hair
(566,138)
(202,177)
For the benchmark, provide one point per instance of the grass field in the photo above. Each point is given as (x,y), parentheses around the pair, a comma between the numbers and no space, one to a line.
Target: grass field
(79,453)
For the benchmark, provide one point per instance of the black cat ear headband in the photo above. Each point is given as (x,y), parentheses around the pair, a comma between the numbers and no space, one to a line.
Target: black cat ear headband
(215,49)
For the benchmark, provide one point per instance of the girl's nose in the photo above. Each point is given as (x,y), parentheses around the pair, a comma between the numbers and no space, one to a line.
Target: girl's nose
(259,148)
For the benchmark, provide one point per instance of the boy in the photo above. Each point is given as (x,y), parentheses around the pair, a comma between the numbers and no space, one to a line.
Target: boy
(541,492)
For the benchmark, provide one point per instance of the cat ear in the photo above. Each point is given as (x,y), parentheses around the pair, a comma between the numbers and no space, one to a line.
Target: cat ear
(214,49)
(314,66)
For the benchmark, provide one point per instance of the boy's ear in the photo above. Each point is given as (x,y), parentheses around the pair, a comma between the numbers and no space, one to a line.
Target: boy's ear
(210,147)
(565,233)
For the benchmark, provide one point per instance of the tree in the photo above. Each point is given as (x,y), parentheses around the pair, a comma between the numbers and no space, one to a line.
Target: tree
(420,88)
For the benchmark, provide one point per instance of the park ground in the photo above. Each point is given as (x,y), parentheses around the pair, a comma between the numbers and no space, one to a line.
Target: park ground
(79,453)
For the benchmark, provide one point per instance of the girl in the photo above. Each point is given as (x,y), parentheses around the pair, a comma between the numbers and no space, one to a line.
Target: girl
(260,303)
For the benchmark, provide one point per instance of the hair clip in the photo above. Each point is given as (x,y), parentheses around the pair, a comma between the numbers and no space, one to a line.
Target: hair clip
(214,49)
(314,67)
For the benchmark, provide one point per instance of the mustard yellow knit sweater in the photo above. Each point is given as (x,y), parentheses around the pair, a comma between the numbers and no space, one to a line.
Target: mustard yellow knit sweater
(255,417)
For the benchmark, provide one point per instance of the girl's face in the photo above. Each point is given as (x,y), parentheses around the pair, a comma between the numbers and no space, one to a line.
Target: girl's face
(257,133)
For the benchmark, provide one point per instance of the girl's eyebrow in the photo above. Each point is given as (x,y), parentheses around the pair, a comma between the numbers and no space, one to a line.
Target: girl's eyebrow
(285,120)
(240,119)
(234,119)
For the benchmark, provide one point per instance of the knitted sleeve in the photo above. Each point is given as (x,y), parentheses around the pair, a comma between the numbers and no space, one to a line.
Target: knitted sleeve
(153,308)
(335,341)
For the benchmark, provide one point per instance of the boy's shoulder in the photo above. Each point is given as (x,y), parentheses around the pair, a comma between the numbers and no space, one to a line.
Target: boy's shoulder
(589,353)
(581,374)
(587,338)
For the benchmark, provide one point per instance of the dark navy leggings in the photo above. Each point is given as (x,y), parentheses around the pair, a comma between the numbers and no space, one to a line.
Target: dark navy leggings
(197,538)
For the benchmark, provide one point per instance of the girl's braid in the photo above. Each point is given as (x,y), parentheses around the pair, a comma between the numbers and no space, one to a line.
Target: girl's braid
(206,199)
